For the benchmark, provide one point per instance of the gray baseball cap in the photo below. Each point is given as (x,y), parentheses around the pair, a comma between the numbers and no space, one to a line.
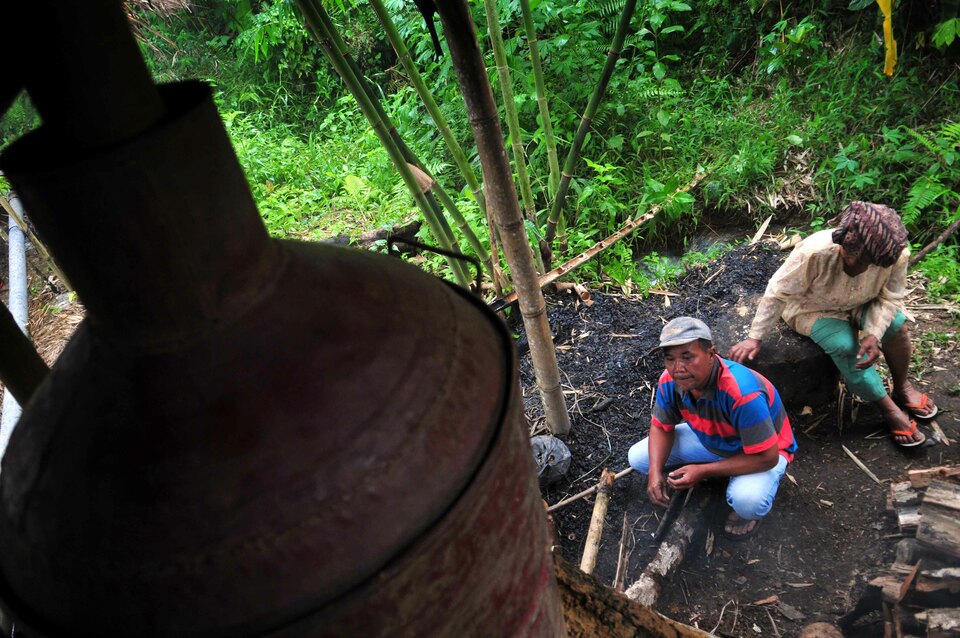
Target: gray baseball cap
(683,330)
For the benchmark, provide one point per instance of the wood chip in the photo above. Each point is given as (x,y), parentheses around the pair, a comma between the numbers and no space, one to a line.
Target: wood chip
(767,600)
(800,585)
(762,230)
(940,434)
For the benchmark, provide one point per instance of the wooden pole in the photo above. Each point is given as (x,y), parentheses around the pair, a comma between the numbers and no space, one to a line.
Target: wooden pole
(669,555)
(502,202)
(592,546)
(513,120)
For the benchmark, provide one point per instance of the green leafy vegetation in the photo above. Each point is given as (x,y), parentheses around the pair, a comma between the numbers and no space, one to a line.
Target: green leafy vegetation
(787,105)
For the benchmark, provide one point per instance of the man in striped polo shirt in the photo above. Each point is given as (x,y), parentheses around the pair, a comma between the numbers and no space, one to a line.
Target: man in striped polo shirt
(713,418)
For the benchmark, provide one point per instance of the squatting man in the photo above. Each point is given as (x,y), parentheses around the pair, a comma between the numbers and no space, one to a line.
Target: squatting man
(714,418)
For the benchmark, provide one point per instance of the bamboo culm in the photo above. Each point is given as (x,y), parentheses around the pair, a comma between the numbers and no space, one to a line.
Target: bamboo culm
(320,25)
(502,202)
(573,155)
(403,54)
(545,121)
(411,158)
(513,121)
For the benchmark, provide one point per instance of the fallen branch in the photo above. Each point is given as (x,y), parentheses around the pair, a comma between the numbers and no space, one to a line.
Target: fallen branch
(861,465)
(407,228)
(592,546)
(951,229)
(588,491)
(649,585)
(550,276)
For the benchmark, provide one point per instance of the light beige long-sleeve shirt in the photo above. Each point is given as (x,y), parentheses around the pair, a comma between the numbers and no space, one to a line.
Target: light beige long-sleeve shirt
(811,284)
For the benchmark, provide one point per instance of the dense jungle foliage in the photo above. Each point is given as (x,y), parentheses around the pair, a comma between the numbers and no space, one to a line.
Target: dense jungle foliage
(785,103)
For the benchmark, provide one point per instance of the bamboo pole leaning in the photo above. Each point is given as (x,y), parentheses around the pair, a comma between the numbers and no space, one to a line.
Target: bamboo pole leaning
(502,201)
(490,258)
(322,29)
(546,123)
(403,54)
(625,229)
(513,120)
(573,155)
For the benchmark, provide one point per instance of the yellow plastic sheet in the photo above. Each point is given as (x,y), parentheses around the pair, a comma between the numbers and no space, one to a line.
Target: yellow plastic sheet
(886,6)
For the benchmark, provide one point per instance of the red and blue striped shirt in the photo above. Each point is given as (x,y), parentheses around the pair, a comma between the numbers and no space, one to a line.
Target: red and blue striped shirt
(739,411)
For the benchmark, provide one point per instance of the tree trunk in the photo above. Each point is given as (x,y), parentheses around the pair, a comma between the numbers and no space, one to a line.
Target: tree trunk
(502,202)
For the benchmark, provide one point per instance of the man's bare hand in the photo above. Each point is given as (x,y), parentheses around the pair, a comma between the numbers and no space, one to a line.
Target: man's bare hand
(685,477)
(746,350)
(657,490)
(870,346)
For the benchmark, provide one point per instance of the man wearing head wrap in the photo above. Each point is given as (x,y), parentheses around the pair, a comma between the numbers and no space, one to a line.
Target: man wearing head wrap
(844,288)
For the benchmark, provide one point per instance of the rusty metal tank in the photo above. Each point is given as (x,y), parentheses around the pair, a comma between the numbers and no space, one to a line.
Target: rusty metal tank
(251,437)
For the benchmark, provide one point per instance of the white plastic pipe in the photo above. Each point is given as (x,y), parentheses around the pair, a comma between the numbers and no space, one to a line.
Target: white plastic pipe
(17,303)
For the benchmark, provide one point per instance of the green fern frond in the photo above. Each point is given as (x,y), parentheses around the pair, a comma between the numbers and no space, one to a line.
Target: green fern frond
(923,140)
(952,133)
(924,192)
(610,10)
(651,92)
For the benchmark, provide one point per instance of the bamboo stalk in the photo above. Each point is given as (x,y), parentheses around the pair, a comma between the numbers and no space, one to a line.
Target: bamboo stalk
(321,27)
(547,124)
(573,155)
(430,185)
(411,158)
(413,74)
(592,546)
(600,246)
(502,201)
(513,121)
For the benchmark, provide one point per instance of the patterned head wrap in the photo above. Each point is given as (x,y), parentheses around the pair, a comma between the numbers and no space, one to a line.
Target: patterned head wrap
(872,230)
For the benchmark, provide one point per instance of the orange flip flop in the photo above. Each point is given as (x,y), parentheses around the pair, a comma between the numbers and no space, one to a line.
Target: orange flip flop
(918,410)
(913,428)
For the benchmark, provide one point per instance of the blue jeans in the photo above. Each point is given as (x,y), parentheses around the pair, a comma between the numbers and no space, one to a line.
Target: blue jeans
(750,495)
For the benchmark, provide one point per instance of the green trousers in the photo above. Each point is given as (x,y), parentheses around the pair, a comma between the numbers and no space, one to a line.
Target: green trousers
(839,340)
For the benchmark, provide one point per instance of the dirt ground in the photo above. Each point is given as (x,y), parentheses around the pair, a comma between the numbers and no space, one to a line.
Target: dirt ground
(829,527)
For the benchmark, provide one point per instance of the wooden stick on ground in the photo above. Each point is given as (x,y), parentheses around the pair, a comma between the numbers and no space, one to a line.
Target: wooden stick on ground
(861,465)
(592,546)
(588,491)
(623,554)
(669,555)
